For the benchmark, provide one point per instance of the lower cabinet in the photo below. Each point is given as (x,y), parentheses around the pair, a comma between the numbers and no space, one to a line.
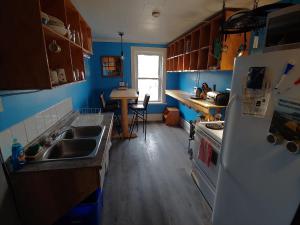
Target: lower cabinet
(105,163)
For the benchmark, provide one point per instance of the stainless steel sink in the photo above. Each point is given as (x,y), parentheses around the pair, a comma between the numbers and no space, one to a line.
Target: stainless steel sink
(75,143)
(67,149)
(82,132)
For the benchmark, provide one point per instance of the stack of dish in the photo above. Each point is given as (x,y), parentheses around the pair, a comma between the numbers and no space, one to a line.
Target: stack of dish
(54,23)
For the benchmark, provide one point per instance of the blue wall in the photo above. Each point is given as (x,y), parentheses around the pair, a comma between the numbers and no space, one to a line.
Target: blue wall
(107,84)
(21,106)
(187,81)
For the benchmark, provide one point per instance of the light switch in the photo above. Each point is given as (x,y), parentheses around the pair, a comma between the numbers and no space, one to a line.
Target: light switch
(1,105)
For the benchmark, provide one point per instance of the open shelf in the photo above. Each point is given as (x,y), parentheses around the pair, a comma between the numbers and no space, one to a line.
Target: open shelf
(196,47)
(204,35)
(54,8)
(77,64)
(202,59)
(60,60)
(86,37)
(188,43)
(175,63)
(180,63)
(194,61)
(187,61)
(195,39)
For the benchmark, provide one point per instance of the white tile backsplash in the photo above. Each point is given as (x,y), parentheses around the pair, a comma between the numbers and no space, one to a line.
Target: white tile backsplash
(34,126)
(40,123)
(18,131)
(31,128)
(59,108)
(5,143)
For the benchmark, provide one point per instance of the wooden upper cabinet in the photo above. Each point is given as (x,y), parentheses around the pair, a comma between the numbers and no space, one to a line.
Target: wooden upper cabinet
(26,61)
(205,48)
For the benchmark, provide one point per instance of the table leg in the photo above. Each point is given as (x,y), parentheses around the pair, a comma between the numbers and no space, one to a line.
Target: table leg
(124,118)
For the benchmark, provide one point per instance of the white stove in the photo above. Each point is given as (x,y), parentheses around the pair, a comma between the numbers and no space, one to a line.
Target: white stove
(216,134)
(206,157)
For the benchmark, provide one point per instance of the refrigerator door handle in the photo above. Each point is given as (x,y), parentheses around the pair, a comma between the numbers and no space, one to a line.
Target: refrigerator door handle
(232,99)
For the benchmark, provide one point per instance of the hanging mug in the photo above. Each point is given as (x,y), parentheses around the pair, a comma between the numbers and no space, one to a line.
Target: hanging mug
(54,47)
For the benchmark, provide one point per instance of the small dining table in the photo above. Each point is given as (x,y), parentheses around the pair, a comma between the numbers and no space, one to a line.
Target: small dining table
(124,95)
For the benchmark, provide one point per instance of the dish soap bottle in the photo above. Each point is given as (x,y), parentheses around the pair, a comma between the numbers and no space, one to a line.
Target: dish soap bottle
(18,155)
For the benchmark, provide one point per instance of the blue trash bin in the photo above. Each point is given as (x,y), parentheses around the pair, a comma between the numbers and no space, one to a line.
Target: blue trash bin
(88,212)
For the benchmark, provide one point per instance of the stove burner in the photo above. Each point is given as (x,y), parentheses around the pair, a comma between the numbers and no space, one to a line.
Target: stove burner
(215,126)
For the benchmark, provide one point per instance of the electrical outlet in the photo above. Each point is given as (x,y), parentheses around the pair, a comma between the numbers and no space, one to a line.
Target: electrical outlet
(1,105)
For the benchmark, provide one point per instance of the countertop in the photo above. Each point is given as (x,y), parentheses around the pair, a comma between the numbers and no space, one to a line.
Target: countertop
(197,104)
(74,163)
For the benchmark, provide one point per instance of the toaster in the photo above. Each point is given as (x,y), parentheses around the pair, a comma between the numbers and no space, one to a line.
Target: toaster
(220,99)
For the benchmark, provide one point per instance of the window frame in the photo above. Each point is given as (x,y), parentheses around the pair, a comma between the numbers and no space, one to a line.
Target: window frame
(162,52)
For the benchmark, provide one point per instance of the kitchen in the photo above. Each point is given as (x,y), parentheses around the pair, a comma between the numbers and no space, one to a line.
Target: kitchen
(150,112)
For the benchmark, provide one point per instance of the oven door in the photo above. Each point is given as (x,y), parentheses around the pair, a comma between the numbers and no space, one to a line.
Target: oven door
(209,167)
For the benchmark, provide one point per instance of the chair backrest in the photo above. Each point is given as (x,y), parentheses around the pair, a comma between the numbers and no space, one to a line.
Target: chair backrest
(137,100)
(102,101)
(146,101)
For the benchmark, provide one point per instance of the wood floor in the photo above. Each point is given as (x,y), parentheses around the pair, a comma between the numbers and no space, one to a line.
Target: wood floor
(149,182)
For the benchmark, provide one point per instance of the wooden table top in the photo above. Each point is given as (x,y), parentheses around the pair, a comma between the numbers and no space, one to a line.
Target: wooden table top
(129,93)
(185,98)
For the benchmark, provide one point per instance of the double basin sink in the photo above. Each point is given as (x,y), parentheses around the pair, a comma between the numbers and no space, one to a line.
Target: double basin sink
(75,143)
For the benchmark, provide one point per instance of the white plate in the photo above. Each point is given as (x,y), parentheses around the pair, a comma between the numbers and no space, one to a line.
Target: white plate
(61,30)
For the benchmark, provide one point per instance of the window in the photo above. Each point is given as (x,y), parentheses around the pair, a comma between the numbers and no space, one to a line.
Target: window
(148,72)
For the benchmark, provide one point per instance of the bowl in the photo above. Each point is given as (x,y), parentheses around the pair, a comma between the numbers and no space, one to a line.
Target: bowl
(59,29)
(55,21)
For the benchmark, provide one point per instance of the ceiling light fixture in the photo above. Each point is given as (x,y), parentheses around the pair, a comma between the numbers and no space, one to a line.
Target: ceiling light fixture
(155,13)
(121,34)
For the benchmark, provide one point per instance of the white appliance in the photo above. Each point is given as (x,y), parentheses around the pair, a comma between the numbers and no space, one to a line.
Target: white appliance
(259,183)
(205,171)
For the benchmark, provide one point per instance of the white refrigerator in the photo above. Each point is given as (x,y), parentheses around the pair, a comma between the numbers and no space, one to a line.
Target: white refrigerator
(259,182)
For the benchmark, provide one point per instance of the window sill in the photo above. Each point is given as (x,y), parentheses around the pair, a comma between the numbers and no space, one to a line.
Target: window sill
(155,103)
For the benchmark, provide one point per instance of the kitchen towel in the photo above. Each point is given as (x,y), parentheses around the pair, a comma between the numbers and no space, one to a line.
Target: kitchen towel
(205,152)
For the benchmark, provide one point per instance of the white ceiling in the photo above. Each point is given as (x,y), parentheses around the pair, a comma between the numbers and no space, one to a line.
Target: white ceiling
(133,17)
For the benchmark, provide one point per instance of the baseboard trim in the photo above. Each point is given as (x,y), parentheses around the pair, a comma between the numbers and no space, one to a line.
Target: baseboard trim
(152,117)
(185,125)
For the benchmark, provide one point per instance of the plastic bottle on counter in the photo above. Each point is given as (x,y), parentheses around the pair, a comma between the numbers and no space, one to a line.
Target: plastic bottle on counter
(18,155)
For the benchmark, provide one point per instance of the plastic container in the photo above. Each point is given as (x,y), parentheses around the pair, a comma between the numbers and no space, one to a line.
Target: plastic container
(88,212)
(18,156)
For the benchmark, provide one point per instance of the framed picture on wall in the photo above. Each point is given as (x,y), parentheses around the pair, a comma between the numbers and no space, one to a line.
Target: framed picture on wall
(111,66)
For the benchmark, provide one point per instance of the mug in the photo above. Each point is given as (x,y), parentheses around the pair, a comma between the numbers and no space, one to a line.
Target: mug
(54,77)
(61,75)
(54,47)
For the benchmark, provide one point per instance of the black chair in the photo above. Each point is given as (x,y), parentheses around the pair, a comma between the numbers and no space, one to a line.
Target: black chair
(112,106)
(139,112)
(135,101)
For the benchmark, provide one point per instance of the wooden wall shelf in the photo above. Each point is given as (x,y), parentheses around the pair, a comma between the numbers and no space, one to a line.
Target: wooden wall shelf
(28,62)
(197,47)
